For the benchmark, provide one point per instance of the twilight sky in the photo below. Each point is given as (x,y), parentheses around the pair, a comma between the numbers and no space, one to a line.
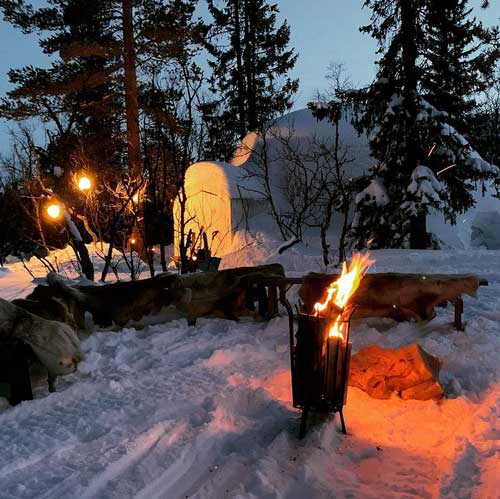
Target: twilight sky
(322,31)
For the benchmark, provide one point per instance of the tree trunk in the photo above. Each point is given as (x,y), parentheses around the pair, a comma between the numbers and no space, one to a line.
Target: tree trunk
(251,105)
(83,256)
(343,234)
(419,239)
(409,17)
(163,259)
(241,94)
(131,105)
(107,261)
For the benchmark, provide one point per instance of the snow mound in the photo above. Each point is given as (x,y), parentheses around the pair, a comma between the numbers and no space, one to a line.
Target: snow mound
(302,129)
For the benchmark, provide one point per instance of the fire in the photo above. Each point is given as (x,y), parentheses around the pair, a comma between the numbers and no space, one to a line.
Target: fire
(340,291)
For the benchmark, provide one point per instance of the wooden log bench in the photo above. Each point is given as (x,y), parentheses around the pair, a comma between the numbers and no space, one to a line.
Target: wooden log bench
(401,297)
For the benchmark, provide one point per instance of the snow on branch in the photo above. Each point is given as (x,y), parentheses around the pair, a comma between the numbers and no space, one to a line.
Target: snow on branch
(375,194)
(425,188)
(471,157)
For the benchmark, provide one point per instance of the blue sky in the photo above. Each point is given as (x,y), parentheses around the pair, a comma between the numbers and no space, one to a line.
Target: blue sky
(323,31)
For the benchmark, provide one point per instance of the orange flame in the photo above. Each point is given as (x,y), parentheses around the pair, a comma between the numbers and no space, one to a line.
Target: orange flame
(340,291)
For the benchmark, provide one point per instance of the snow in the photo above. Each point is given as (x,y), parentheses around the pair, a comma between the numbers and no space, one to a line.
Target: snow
(473,228)
(237,184)
(17,279)
(171,411)
(73,229)
(375,194)
(425,187)
(306,130)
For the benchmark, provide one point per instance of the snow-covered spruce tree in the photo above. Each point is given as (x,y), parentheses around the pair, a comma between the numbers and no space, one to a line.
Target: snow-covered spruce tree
(458,63)
(423,162)
(486,124)
(485,130)
(391,116)
(251,58)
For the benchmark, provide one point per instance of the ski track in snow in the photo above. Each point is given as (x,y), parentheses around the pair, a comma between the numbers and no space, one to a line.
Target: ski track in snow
(171,412)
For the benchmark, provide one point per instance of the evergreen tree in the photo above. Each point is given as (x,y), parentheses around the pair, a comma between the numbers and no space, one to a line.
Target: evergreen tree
(90,95)
(391,117)
(458,65)
(250,62)
(424,163)
(93,83)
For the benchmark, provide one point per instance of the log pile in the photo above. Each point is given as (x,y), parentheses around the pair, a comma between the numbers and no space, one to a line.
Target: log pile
(408,372)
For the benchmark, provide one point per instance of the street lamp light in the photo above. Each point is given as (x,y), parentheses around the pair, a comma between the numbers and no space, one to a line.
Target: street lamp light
(84,183)
(54,210)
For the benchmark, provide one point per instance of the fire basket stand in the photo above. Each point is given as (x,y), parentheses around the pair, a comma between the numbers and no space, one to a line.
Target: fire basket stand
(320,364)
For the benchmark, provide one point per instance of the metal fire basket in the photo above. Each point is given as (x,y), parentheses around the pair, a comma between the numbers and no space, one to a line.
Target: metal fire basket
(319,364)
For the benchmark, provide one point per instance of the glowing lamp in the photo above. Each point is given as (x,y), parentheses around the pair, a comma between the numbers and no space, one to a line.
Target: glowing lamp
(54,211)
(84,183)
(133,240)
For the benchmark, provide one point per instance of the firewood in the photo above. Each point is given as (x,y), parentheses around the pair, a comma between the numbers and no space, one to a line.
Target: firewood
(409,372)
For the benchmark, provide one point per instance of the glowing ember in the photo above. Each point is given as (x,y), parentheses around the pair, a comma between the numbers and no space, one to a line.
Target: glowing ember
(340,291)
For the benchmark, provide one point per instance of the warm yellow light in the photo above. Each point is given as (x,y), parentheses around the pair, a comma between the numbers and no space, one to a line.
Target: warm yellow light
(84,184)
(133,241)
(54,211)
(340,291)
(135,198)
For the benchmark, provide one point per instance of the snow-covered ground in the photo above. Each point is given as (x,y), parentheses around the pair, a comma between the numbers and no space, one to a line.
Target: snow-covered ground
(171,411)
